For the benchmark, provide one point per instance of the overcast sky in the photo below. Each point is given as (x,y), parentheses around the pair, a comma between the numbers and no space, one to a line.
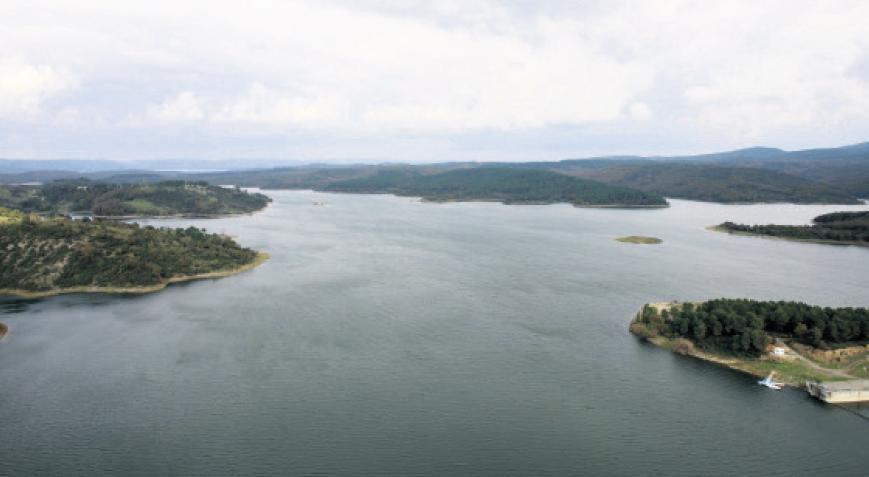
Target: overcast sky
(428,80)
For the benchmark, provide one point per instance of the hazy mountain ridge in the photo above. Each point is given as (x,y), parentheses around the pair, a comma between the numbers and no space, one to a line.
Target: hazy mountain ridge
(757,174)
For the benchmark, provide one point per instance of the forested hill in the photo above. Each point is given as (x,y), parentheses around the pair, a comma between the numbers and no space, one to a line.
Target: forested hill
(510,186)
(56,254)
(837,227)
(715,183)
(153,199)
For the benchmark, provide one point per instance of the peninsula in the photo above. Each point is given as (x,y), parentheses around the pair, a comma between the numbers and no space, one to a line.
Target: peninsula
(168,198)
(800,343)
(843,228)
(52,255)
(497,184)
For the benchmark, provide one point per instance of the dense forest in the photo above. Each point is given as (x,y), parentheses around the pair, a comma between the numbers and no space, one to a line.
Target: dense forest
(511,186)
(715,183)
(837,227)
(747,327)
(39,253)
(154,199)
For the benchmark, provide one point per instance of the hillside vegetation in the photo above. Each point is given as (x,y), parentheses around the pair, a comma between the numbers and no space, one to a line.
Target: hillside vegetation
(716,183)
(837,227)
(154,199)
(747,327)
(507,185)
(48,254)
(760,174)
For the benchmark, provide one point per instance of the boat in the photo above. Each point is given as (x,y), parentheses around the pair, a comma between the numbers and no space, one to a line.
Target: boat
(768,382)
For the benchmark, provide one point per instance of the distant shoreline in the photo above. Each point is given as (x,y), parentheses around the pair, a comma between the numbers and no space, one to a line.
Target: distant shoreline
(720,229)
(261,257)
(173,216)
(436,200)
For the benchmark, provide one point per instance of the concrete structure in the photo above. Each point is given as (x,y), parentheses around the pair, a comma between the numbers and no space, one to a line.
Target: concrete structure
(856,390)
(778,351)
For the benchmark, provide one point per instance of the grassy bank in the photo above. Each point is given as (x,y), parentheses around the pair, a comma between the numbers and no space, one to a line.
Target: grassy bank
(258,260)
(794,368)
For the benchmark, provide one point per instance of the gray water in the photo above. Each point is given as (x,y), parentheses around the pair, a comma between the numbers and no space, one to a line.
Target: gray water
(392,337)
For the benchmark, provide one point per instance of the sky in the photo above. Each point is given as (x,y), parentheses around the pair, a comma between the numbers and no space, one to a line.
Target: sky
(423,81)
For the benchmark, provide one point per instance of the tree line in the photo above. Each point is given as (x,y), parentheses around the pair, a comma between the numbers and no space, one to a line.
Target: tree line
(747,327)
(509,185)
(43,254)
(845,227)
(160,198)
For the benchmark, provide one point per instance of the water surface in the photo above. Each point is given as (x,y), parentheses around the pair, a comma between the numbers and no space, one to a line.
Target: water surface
(392,337)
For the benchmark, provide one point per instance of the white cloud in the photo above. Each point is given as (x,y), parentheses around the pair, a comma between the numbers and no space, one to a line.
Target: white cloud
(24,87)
(262,106)
(640,111)
(309,72)
(185,106)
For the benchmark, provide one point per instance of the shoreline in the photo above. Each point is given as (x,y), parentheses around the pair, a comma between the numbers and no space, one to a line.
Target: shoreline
(792,372)
(179,216)
(3,330)
(260,258)
(451,200)
(844,243)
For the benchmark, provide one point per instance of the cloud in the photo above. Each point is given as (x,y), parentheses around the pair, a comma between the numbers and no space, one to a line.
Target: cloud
(262,106)
(185,106)
(640,111)
(25,87)
(305,73)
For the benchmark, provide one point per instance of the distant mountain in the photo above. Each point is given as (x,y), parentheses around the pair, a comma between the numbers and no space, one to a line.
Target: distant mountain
(510,186)
(845,168)
(13,166)
(716,183)
(830,175)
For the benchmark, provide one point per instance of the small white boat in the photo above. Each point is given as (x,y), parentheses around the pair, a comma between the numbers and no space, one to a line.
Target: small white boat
(768,382)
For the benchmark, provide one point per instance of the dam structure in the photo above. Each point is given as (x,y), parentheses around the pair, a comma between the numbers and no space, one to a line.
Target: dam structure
(838,392)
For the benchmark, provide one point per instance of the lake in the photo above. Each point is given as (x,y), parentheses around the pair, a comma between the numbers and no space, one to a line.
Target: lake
(388,336)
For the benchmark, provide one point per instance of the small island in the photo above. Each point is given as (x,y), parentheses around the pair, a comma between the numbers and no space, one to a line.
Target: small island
(842,228)
(803,345)
(498,184)
(45,256)
(3,330)
(159,199)
(639,239)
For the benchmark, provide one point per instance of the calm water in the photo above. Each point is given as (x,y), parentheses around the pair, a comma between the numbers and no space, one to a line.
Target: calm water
(392,337)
